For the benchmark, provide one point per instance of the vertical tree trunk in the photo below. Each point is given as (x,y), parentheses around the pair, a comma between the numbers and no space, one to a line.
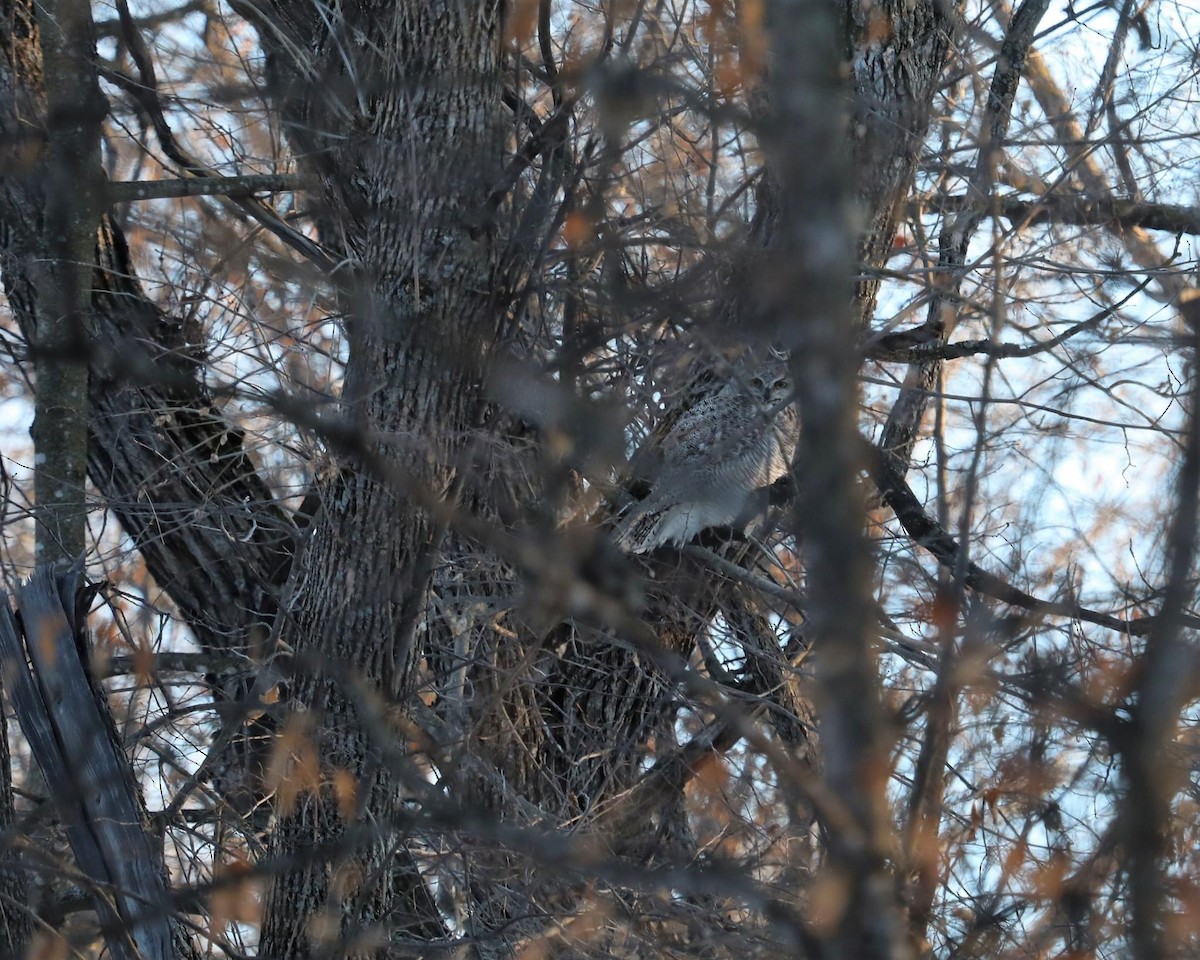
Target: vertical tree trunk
(408,137)
(73,179)
(812,262)
(896,52)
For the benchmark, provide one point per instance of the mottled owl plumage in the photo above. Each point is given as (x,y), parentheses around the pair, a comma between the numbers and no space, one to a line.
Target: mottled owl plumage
(715,457)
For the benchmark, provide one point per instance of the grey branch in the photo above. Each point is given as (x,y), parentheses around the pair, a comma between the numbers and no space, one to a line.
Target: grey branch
(124,191)
(1077,211)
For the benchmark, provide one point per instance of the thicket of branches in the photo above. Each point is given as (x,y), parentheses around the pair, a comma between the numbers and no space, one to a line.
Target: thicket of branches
(336,336)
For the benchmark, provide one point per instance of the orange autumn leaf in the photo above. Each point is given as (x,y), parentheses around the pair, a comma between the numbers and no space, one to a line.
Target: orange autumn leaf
(345,791)
(578,229)
(293,768)
(235,896)
(520,21)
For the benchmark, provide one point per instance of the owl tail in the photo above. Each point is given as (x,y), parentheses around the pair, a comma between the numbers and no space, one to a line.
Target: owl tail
(643,530)
(635,533)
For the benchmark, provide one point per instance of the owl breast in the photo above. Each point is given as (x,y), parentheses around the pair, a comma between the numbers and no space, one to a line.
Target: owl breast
(717,455)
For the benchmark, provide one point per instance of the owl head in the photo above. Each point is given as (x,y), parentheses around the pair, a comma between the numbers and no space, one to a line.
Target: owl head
(770,384)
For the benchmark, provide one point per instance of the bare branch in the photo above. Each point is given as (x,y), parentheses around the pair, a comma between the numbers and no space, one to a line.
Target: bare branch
(928,534)
(1087,210)
(124,191)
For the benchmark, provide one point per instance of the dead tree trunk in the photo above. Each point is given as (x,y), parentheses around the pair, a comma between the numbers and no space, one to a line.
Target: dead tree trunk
(66,721)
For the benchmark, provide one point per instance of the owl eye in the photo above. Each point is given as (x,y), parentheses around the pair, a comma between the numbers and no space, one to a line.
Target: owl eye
(783,384)
(756,382)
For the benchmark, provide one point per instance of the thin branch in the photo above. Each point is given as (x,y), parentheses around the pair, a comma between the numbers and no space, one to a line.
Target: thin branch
(919,344)
(1081,161)
(904,420)
(929,534)
(172,661)
(145,93)
(112,28)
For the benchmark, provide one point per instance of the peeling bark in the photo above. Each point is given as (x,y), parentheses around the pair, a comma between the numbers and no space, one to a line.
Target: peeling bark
(66,721)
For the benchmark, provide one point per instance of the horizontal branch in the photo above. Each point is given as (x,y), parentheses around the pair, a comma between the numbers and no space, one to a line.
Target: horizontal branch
(144,92)
(922,343)
(124,191)
(173,661)
(1077,211)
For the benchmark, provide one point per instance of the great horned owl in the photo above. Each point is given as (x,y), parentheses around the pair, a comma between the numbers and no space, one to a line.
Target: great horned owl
(720,452)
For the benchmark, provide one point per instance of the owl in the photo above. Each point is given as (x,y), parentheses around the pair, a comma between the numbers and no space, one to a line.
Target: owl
(720,452)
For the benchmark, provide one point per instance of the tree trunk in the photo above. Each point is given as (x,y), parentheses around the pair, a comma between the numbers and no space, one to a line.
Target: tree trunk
(407,138)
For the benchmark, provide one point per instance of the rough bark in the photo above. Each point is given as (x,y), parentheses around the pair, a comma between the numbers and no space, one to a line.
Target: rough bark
(1153,776)
(897,52)
(609,693)
(70,169)
(394,108)
(14,920)
(407,139)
